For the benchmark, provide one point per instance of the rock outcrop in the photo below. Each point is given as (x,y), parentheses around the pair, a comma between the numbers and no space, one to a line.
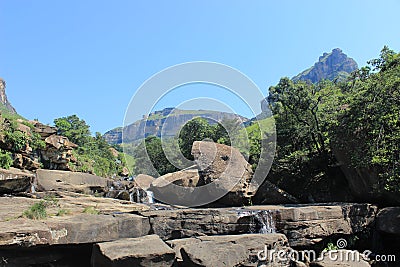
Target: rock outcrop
(225,171)
(229,250)
(142,251)
(330,66)
(53,180)
(3,98)
(15,181)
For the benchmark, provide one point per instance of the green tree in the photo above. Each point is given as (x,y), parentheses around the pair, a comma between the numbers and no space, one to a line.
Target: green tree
(196,129)
(368,123)
(150,158)
(74,128)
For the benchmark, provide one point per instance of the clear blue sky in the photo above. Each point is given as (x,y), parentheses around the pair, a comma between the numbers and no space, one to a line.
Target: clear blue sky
(88,57)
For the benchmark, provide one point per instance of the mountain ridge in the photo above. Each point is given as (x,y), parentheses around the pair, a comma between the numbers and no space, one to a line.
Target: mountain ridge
(166,122)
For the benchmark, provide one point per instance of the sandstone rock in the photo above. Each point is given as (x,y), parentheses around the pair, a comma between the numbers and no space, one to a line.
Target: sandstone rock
(15,180)
(142,251)
(124,172)
(42,129)
(73,228)
(144,181)
(341,258)
(180,223)
(78,182)
(388,220)
(225,171)
(58,141)
(306,225)
(22,161)
(176,188)
(114,152)
(58,153)
(363,181)
(229,250)
(268,193)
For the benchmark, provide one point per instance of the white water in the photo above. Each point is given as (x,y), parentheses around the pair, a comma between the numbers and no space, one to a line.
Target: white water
(148,200)
(150,197)
(263,218)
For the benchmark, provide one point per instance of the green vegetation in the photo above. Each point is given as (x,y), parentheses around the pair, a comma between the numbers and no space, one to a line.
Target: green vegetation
(359,117)
(91,210)
(37,211)
(5,159)
(62,212)
(369,122)
(94,154)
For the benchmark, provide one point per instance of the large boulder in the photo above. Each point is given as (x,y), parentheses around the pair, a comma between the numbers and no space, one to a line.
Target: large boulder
(363,182)
(388,221)
(176,188)
(142,251)
(143,181)
(230,250)
(15,180)
(225,171)
(48,180)
(268,193)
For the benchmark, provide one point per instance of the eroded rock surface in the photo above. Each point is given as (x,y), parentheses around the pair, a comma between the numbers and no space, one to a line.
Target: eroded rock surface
(225,171)
(142,251)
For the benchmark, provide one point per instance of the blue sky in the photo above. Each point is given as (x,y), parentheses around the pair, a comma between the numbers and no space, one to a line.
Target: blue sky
(88,57)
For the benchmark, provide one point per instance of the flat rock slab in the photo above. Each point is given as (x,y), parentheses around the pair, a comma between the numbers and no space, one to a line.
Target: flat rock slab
(15,180)
(76,227)
(180,223)
(143,251)
(229,250)
(304,225)
(50,180)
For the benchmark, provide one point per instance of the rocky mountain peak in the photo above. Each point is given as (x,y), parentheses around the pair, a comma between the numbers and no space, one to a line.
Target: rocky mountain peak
(3,98)
(330,66)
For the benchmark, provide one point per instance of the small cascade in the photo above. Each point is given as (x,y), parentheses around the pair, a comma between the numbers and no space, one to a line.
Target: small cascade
(267,222)
(131,197)
(150,197)
(261,221)
(138,199)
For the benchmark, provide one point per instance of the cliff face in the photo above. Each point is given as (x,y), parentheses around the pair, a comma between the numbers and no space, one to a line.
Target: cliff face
(329,66)
(6,105)
(166,122)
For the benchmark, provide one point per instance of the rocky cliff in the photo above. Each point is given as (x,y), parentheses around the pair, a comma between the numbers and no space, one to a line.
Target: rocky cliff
(5,105)
(329,67)
(166,122)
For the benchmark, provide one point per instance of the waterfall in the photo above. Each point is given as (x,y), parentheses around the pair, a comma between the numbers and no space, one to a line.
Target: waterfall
(138,200)
(150,197)
(267,222)
(131,199)
(260,221)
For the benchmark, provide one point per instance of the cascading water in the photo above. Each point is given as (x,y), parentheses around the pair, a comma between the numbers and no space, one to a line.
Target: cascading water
(150,197)
(260,221)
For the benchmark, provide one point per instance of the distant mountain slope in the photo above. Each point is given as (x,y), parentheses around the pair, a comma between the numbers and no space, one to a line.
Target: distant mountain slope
(329,66)
(167,121)
(5,105)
